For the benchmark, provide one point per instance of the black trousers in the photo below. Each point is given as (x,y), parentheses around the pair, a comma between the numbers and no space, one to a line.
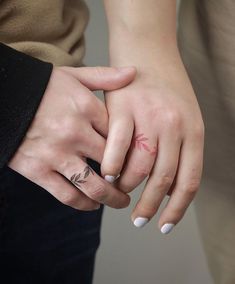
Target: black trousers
(42,240)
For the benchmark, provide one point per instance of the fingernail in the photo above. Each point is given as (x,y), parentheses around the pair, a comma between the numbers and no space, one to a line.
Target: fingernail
(166,229)
(111,179)
(140,222)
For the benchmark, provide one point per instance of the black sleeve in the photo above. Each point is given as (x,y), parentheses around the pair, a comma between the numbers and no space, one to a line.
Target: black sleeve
(23,81)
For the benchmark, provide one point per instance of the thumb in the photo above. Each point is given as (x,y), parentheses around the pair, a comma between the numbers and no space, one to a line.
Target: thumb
(103,78)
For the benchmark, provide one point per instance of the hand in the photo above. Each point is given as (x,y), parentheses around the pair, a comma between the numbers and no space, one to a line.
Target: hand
(155,130)
(70,125)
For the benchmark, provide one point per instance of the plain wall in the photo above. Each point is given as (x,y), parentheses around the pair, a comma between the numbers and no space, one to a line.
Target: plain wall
(131,255)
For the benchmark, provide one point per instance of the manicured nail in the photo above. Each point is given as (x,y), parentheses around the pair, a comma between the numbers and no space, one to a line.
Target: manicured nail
(140,222)
(111,179)
(166,229)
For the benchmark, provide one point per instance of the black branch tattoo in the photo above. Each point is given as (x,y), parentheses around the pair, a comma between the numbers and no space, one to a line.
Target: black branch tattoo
(78,179)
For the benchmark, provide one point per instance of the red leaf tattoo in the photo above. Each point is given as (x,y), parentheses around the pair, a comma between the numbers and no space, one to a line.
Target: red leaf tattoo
(138,142)
(146,147)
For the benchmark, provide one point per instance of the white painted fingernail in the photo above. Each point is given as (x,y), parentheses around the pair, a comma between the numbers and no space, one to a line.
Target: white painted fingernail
(111,179)
(140,222)
(166,229)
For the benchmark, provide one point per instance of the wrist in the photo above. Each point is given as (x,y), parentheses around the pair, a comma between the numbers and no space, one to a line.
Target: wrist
(143,53)
(148,61)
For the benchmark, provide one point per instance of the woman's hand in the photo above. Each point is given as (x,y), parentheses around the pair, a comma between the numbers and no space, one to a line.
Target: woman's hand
(155,130)
(71,125)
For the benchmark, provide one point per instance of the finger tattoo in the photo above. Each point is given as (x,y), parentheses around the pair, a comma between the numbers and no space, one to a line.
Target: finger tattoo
(139,142)
(79,178)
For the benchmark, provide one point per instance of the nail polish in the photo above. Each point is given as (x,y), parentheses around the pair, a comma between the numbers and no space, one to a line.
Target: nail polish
(167,228)
(140,222)
(111,179)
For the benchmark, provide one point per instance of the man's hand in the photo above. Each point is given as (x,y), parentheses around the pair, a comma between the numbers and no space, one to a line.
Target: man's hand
(70,125)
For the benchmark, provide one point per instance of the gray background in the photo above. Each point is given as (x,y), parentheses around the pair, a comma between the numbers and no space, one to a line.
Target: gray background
(130,255)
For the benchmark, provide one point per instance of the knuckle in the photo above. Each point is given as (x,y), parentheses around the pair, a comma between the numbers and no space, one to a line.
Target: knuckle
(199,131)
(50,154)
(191,187)
(173,119)
(141,172)
(164,181)
(67,128)
(34,170)
(67,166)
(86,104)
(98,192)
(68,199)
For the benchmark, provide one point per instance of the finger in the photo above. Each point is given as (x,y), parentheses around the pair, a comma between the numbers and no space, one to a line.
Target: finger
(92,185)
(117,145)
(66,193)
(103,78)
(160,179)
(140,160)
(94,145)
(99,119)
(187,183)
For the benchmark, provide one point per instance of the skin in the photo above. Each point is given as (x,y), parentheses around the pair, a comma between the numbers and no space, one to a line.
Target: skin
(156,129)
(70,125)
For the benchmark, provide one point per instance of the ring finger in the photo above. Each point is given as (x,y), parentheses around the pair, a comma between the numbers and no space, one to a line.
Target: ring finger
(86,180)
(139,160)
(160,179)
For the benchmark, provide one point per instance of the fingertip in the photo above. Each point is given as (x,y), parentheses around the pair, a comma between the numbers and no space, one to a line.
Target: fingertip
(109,173)
(141,216)
(124,77)
(140,222)
(127,201)
(166,228)
(111,164)
(167,223)
(111,178)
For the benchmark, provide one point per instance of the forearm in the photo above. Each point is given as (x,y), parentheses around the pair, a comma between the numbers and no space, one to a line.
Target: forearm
(142,32)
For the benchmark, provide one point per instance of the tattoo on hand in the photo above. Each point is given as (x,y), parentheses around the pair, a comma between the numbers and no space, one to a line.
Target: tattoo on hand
(78,179)
(139,143)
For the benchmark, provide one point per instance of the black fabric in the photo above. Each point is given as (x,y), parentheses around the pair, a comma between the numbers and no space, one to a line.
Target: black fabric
(42,240)
(23,81)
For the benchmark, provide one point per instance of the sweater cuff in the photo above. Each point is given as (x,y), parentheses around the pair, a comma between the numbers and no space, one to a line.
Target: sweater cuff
(23,81)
